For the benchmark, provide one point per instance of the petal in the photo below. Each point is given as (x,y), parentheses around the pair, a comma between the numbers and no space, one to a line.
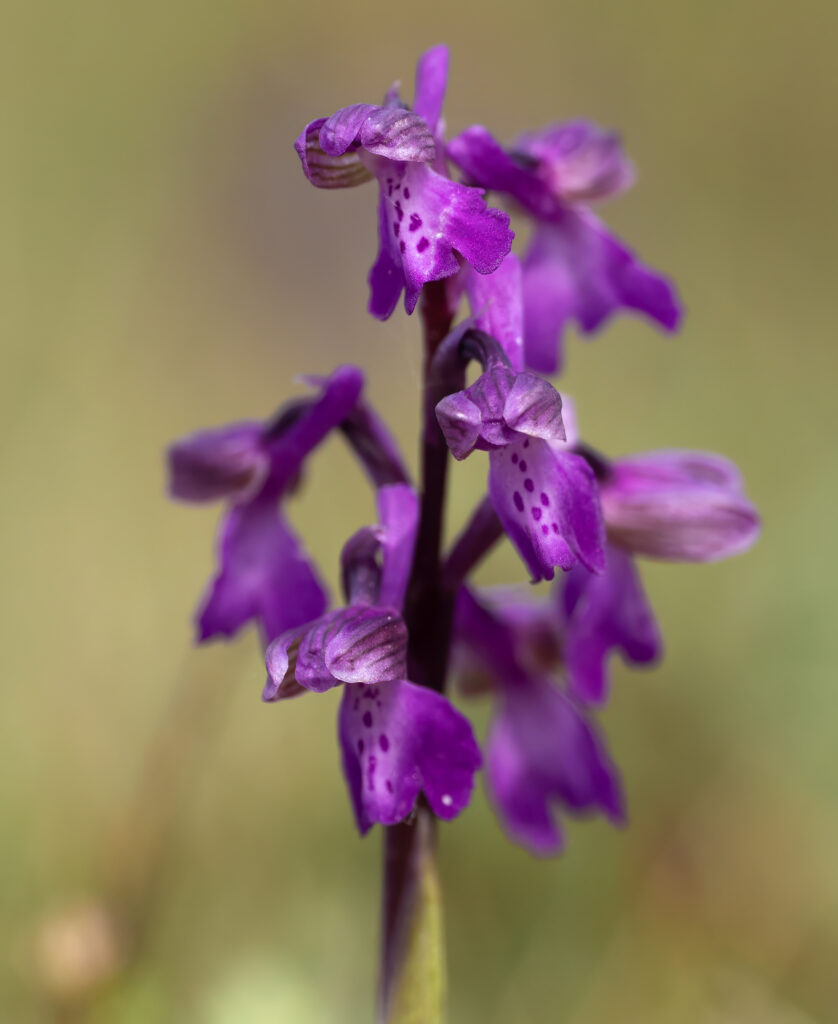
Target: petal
(229,462)
(263,576)
(461,422)
(548,504)
(496,301)
(603,613)
(540,752)
(352,645)
(424,223)
(575,269)
(398,513)
(398,739)
(390,132)
(431,81)
(487,164)
(580,160)
(679,506)
(328,170)
(386,277)
(534,407)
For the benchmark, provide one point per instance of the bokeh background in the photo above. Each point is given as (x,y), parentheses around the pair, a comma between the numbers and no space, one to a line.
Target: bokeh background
(169,268)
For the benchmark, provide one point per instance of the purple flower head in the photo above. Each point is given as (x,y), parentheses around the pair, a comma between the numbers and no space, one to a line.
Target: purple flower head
(264,574)
(544,495)
(678,506)
(574,269)
(397,739)
(542,752)
(426,222)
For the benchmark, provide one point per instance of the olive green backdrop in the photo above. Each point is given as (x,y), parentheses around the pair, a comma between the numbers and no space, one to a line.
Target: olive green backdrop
(169,268)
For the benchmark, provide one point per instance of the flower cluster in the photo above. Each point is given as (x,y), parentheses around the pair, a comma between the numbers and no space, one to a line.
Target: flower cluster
(574,515)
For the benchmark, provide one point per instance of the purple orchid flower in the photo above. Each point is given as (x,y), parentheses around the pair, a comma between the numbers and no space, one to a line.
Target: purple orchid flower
(264,575)
(426,222)
(541,749)
(672,505)
(574,269)
(544,495)
(397,738)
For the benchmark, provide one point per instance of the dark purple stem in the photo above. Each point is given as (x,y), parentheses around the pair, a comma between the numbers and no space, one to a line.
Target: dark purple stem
(428,615)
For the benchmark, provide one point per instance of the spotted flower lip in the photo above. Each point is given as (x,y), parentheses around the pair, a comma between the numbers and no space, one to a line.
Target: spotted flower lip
(544,495)
(264,574)
(427,223)
(574,269)
(542,751)
(679,506)
(396,738)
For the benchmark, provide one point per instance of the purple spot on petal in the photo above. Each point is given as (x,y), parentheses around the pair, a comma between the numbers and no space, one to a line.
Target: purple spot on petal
(399,210)
(415,222)
(527,443)
(536,513)
(514,458)
(554,527)
(385,743)
(545,529)
(406,192)
(519,501)
(422,244)
(368,718)
(545,501)
(402,247)
(530,486)
(388,783)
(360,746)
(523,466)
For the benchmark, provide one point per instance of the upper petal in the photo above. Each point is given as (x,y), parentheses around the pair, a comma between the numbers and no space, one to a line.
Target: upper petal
(398,513)
(497,304)
(679,506)
(328,170)
(229,462)
(431,82)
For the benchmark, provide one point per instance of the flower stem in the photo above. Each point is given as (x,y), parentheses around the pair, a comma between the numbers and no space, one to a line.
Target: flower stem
(411,984)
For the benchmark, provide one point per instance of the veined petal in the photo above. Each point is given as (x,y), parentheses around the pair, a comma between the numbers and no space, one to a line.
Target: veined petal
(263,576)
(542,752)
(679,506)
(461,421)
(358,644)
(534,407)
(548,504)
(398,739)
(229,462)
(328,170)
(604,613)
(580,161)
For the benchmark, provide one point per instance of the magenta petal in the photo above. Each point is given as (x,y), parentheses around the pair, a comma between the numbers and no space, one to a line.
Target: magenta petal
(534,407)
(548,504)
(264,575)
(603,613)
(431,82)
(398,514)
(496,301)
(679,506)
(580,160)
(460,421)
(328,170)
(575,270)
(352,645)
(229,462)
(398,739)
(541,752)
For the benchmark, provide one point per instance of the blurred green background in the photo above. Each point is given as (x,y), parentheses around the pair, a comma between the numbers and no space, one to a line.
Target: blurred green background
(169,268)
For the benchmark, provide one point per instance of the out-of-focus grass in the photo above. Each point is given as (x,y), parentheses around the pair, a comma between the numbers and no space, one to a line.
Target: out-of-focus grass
(168,268)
